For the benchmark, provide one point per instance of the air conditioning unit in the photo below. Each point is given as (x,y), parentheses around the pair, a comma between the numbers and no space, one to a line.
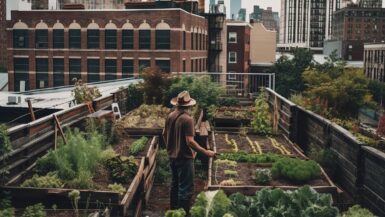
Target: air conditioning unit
(14,100)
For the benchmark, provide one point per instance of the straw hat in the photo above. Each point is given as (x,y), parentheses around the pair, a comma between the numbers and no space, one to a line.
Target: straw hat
(183,99)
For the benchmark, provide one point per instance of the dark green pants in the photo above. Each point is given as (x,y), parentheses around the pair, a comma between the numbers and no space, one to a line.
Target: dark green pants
(182,184)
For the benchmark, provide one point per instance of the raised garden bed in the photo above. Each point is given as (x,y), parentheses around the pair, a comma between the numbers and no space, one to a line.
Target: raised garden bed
(243,173)
(128,203)
(232,116)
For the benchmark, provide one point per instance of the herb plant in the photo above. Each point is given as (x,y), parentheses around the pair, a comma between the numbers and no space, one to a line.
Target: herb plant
(358,211)
(50,180)
(249,158)
(138,145)
(262,176)
(122,169)
(175,213)
(118,188)
(36,210)
(262,121)
(296,170)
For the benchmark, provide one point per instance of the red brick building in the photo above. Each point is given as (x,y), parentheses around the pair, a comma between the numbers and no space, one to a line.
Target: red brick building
(50,48)
(3,35)
(238,47)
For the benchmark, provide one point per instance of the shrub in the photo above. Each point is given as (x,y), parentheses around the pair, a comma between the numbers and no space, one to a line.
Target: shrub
(162,171)
(261,122)
(48,181)
(358,211)
(175,213)
(295,170)
(8,212)
(118,188)
(135,96)
(155,85)
(262,176)
(138,145)
(85,94)
(36,210)
(122,169)
(201,88)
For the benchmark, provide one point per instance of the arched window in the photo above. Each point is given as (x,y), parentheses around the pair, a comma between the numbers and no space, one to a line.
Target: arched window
(41,36)
(74,36)
(93,35)
(58,35)
(127,36)
(144,36)
(163,35)
(20,35)
(110,36)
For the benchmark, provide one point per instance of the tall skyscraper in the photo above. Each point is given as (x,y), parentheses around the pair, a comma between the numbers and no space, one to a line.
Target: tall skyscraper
(306,23)
(235,6)
(257,13)
(242,14)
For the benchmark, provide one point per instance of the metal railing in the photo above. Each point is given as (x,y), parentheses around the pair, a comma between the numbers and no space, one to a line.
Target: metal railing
(238,84)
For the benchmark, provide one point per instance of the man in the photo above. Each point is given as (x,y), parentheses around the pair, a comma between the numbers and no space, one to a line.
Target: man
(178,135)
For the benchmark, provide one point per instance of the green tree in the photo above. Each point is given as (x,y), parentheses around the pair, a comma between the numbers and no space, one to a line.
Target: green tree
(377,89)
(289,71)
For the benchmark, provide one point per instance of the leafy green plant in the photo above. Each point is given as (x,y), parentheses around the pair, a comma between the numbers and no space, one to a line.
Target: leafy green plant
(230,173)
(118,188)
(228,101)
(107,154)
(138,145)
(325,157)
(210,204)
(8,212)
(262,176)
(162,171)
(135,96)
(85,94)
(155,85)
(295,170)
(74,196)
(5,149)
(122,169)
(51,180)
(76,161)
(36,210)
(201,88)
(358,211)
(249,158)
(262,122)
(175,213)
(305,202)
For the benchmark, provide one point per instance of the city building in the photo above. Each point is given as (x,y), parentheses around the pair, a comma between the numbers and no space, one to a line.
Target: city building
(238,46)
(268,19)
(257,13)
(354,26)
(16,5)
(46,4)
(3,35)
(97,45)
(374,61)
(306,23)
(263,45)
(235,6)
(242,14)
(369,3)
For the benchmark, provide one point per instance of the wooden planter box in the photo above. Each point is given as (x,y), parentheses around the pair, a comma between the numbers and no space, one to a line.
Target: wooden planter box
(122,205)
(251,189)
(229,121)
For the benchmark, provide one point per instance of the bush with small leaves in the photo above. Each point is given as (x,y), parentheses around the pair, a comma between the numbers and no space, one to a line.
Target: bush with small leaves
(36,210)
(262,176)
(118,188)
(51,180)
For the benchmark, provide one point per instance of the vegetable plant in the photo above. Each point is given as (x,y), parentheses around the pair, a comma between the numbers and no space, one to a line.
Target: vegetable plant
(7,212)
(162,171)
(210,204)
(358,211)
(138,145)
(250,158)
(262,176)
(262,121)
(51,180)
(296,170)
(36,210)
(228,182)
(230,173)
(175,213)
(231,142)
(122,169)
(118,188)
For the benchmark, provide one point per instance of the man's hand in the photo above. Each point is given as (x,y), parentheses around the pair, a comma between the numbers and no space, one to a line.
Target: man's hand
(210,153)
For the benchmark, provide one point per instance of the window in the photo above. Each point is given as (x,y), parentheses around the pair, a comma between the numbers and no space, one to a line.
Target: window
(74,38)
(184,66)
(110,69)
(162,39)
(58,38)
(92,70)
(232,57)
(41,38)
(184,40)
(93,39)
(41,73)
(192,41)
(21,68)
(75,69)
(232,37)
(144,39)
(164,65)
(128,39)
(127,68)
(192,65)
(144,64)
(110,39)
(20,38)
(58,72)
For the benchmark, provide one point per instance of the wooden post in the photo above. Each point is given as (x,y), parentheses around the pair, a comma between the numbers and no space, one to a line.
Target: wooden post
(57,123)
(31,110)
